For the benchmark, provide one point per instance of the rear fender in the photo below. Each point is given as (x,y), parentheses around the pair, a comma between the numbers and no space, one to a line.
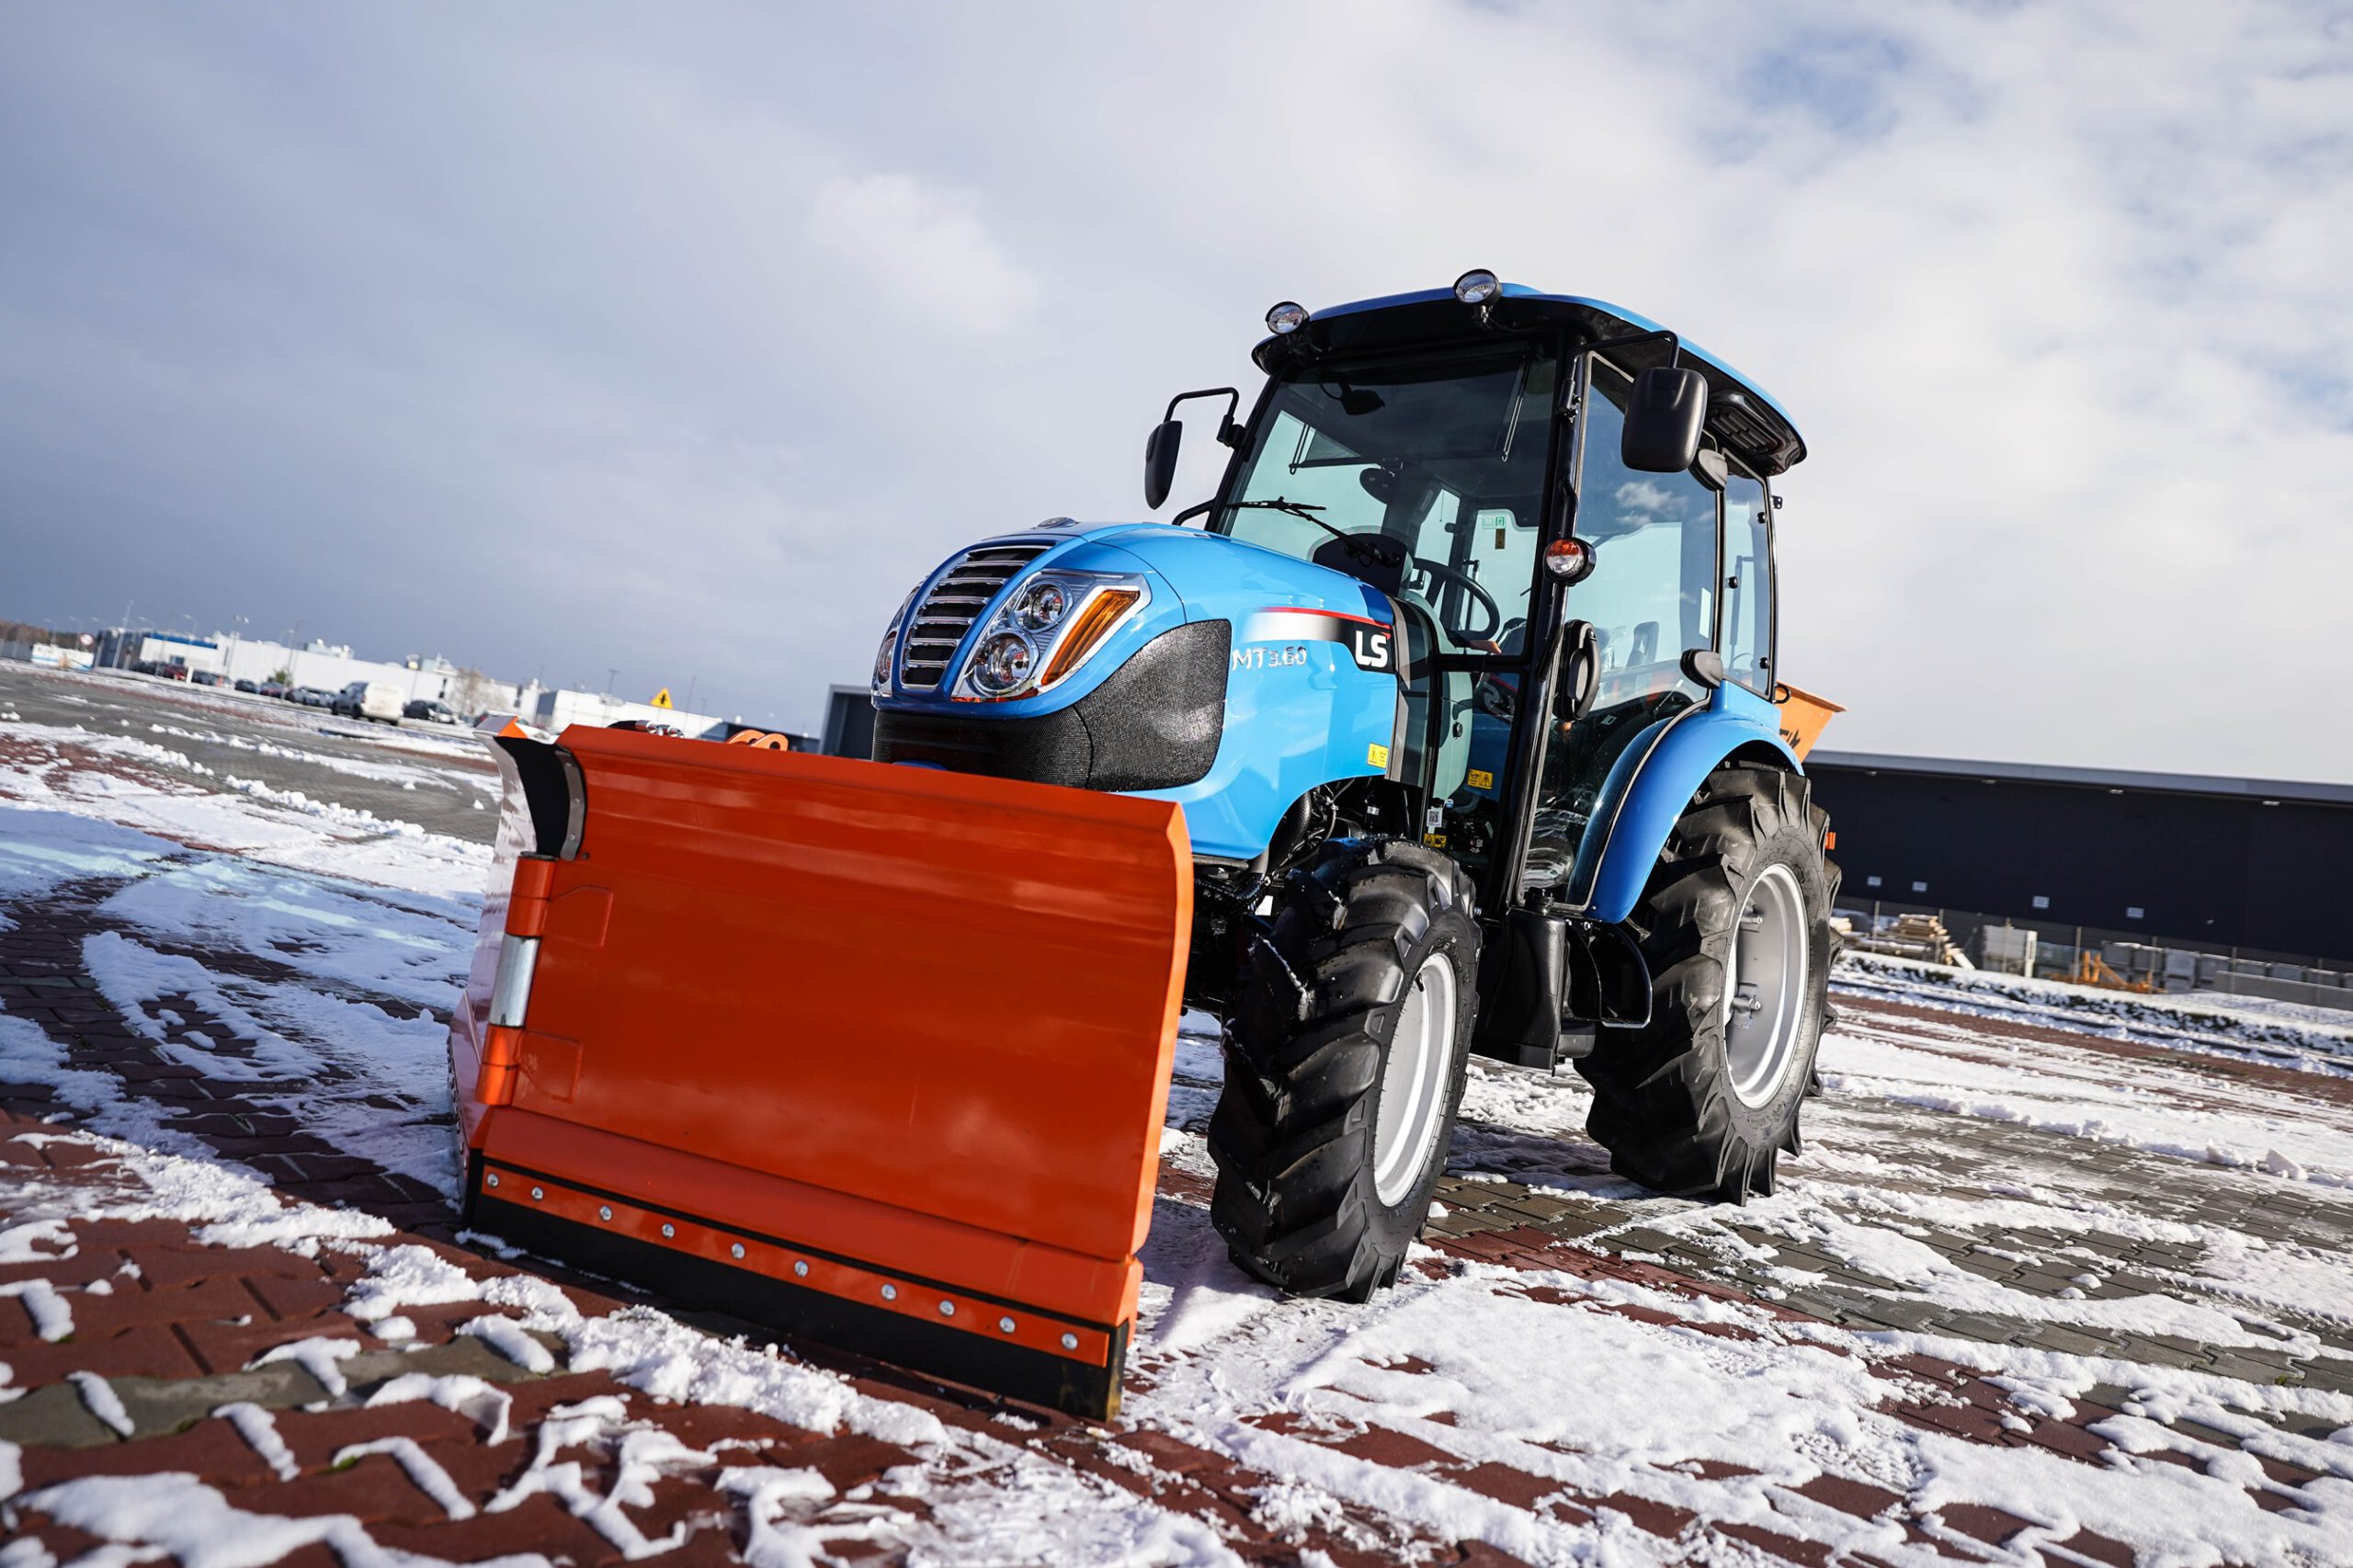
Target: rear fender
(1652,780)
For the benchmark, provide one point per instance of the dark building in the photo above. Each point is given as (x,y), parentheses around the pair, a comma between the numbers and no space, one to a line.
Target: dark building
(2217,863)
(849,722)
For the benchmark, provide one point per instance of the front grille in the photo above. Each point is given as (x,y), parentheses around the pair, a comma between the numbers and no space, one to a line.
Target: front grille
(954,603)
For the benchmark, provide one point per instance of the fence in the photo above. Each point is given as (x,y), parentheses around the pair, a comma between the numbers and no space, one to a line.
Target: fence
(2124,960)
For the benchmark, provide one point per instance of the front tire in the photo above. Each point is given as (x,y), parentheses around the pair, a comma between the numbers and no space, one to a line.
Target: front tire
(1345,1067)
(1736,924)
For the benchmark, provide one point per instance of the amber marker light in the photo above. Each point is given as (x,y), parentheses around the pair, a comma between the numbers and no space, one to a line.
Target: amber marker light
(1094,623)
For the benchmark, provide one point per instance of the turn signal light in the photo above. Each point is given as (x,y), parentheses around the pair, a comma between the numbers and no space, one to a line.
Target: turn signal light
(1095,622)
(1571,560)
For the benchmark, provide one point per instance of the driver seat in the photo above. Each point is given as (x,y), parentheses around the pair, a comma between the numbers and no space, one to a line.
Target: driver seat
(1335,554)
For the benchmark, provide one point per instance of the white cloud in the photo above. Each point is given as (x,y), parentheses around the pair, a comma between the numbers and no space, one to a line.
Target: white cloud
(902,246)
(740,318)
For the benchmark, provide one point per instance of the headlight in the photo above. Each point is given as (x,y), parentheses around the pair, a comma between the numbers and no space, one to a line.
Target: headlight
(884,654)
(1041,605)
(1052,624)
(1003,663)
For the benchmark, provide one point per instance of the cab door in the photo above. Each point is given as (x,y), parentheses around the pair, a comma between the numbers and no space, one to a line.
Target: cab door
(1655,591)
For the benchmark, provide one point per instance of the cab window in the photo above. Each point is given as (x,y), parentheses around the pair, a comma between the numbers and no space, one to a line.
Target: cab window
(1748,583)
(1653,592)
(1424,477)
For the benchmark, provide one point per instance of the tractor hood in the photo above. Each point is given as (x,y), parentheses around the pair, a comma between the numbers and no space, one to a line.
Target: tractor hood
(1186,577)
(1154,661)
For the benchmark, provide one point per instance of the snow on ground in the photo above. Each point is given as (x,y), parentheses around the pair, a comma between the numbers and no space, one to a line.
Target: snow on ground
(2086,1096)
(329,948)
(2286,1032)
(134,782)
(1543,1373)
(337,986)
(988,1498)
(404,774)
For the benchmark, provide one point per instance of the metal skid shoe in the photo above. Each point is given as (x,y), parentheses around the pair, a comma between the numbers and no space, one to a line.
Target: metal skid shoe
(876,1056)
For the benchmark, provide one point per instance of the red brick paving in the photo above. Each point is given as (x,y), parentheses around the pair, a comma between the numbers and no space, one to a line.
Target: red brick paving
(176,1317)
(191,1309)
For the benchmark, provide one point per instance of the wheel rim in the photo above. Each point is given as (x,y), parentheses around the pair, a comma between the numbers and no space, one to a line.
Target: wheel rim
(1412,1083)
(1764,985)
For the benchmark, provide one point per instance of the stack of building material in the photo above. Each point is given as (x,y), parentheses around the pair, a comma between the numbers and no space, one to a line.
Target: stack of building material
(1921,936)
(2007,949)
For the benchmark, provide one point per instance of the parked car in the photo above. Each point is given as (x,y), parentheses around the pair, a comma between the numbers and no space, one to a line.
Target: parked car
(273,689)
(248,686)
(310,696)
(369,700)
(172,672)
(206,678)
(426,708)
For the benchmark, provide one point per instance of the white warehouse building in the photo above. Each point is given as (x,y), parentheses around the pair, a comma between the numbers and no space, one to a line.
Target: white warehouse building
(329,667)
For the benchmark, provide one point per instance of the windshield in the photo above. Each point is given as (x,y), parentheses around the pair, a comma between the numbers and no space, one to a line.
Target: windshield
(1422,477)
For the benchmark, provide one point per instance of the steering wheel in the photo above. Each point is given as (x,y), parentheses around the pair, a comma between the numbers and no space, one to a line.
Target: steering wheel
(1469,585)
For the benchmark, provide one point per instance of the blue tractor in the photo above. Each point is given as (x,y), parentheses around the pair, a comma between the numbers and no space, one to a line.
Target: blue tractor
(1466,684)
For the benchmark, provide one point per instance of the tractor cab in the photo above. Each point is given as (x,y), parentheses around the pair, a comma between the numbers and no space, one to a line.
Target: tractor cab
(1559,497)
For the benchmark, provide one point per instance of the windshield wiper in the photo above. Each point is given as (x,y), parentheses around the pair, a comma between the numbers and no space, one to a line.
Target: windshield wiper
(1362,548)
(1296,508)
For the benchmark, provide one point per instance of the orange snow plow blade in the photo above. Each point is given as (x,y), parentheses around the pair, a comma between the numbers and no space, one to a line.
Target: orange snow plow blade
(873,1055)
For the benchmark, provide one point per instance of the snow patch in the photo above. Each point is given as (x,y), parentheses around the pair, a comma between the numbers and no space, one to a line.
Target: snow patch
(53,1317)
(422,1468)
(191,1522)
(101,1400)
(506,1335)
(259,1429)
(485,1405)
(319,1356)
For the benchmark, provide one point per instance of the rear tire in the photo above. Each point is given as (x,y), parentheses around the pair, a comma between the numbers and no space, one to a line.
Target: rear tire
(1344,1068)
(1736,924)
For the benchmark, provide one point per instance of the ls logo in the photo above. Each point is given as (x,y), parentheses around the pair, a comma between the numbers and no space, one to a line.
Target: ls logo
(1370,647)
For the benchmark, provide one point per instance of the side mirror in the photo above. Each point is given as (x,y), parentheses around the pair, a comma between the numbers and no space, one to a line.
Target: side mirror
(1664,421)
(1577,676)
(1160,462)
(1704,666)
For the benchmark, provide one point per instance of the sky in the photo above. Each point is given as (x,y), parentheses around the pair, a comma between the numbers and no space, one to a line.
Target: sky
(683,340)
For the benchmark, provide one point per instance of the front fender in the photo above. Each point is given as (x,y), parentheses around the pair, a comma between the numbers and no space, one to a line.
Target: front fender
(1651,783)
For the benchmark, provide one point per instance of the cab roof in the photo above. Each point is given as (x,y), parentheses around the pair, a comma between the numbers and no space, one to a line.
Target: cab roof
(1741,414)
